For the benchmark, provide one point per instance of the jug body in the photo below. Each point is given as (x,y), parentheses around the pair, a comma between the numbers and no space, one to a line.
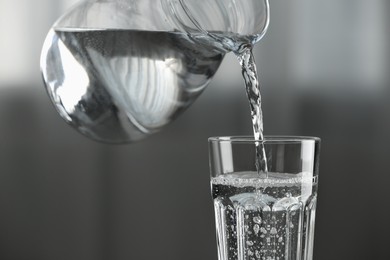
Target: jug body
(120,70)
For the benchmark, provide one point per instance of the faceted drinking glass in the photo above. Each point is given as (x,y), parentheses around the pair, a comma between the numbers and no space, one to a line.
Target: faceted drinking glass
(264,215)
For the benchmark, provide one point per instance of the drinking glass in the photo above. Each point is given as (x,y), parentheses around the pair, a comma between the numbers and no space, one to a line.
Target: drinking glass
(267,215)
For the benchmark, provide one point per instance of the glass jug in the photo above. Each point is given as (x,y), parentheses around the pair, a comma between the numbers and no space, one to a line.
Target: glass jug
(120,70)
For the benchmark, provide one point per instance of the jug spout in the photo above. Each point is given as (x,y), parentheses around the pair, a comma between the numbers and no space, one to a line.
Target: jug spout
(224,24)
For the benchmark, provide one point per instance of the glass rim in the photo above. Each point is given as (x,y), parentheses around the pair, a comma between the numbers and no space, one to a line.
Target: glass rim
(267,139)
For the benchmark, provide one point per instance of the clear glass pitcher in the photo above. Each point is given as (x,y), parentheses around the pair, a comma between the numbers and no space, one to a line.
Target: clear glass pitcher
(120,70)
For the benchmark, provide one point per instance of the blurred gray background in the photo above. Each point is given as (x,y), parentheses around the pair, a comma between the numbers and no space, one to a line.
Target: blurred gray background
(324,68)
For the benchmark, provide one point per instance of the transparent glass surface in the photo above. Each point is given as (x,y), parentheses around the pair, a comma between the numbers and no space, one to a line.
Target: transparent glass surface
(120,70)
(264,215)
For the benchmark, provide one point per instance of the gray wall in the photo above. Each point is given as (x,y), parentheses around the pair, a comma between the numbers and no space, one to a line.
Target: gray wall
(324,71)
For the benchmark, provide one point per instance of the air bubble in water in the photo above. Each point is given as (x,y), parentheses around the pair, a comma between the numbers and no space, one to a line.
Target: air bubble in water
(257,220)
(263,230)
(256,229)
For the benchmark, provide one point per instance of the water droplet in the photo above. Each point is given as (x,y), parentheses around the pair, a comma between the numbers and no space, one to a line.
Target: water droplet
(280,239)
(273,231)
